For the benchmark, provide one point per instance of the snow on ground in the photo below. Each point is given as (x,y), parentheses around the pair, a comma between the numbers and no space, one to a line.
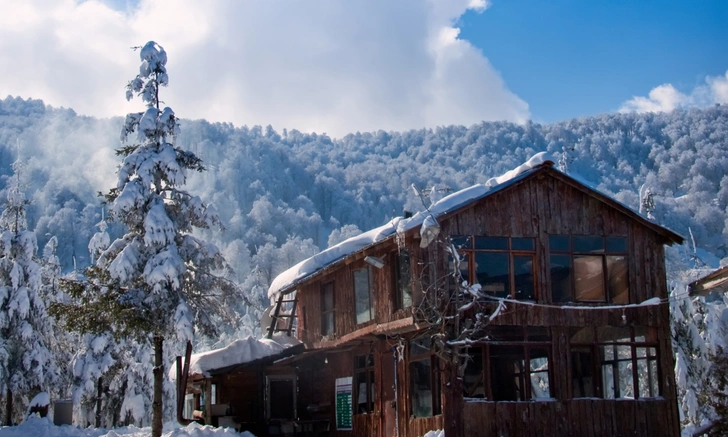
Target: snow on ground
(36,427)
(399,225)
(438,433)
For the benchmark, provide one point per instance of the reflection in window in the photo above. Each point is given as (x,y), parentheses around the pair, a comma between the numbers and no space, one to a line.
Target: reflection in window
(503,266)
(614,352)
(362,295)
(516,368)
(586,268)
(328,312)
(424,380)
(364,384)
(402,279)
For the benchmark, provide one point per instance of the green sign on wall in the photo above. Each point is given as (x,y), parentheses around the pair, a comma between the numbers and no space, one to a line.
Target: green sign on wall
(343,403)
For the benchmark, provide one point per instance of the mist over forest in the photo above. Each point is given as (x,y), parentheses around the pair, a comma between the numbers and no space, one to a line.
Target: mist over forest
(273,187)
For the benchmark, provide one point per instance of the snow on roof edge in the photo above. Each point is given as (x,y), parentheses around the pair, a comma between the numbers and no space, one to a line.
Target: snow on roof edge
(309,266)
(241,351)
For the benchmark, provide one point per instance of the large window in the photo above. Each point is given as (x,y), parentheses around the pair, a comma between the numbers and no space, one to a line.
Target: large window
(401,279)
(588,268)
(614,362)
(328,309)
(424,380)
(364,384)
(503,266)
(363,295)
(514,366)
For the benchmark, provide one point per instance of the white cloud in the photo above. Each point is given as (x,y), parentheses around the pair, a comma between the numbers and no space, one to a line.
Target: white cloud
(665,97)
(321,65)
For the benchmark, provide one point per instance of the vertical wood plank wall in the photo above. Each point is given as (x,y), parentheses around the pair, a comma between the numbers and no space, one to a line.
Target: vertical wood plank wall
(534,207)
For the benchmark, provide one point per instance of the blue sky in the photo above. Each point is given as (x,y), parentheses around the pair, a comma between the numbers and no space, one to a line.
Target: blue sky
(341,66)
(569,58)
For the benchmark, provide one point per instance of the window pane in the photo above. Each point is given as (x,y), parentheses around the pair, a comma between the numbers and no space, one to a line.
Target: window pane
(403,279)
(626,378)
(328,297)
(654,379)
(539,373)
(559,243)
(582,373)
(327,324)
(421,397)
(421,346)
(608,381)
(561,272)
(526,244)
(491,243)
(361,294)
(523,277)
(588,244)
(362,402)
(473,386)
(588,278)
(618,271)
(507,368)
(616,244)
(492,272)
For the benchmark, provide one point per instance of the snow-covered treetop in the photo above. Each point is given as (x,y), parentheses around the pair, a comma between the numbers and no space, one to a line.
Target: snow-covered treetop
(13,216)
(425,219)
(165,273)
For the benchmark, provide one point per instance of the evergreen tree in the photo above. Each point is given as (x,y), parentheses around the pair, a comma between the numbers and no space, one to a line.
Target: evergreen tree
(158,279)
(25,361)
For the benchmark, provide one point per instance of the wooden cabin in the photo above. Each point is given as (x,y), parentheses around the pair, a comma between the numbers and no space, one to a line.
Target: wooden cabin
(573,332)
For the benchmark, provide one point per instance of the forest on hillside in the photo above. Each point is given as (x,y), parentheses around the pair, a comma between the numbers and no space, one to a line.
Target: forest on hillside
(284,195)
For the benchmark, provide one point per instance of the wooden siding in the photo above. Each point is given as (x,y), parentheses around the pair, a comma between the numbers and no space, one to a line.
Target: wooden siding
(577,418)
(542,205)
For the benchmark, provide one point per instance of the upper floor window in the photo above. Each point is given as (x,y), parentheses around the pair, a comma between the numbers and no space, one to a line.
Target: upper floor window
(503,266)
(589,268)
(363,295)
(402,279)
(328,309)
(364,384)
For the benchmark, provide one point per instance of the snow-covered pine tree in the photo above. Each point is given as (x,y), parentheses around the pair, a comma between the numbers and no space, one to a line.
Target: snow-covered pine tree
(25,361)
(158,279)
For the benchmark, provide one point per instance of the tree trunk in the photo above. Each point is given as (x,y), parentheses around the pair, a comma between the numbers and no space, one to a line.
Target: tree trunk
(454,404)
(99,392)
(8,408)
(158,381)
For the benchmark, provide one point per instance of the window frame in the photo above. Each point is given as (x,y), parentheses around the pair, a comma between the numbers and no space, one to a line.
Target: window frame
(605,254)
(468,249)
(514,337)
(398,286)
(434,377)
(368,369)
(597,346)
(370,298)
(325,311)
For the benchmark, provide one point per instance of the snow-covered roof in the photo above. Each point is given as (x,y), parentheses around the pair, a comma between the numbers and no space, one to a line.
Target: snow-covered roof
(244,351)
(286,280)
